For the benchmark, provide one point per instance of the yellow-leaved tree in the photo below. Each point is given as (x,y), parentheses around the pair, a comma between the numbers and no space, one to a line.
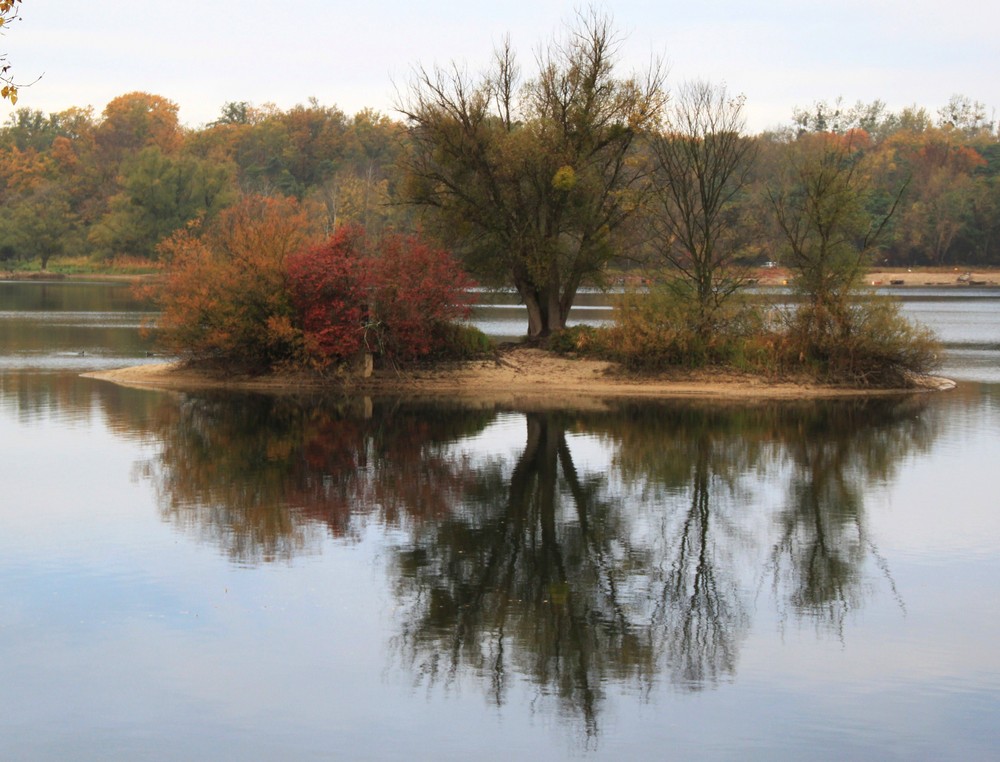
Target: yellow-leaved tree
(9,10)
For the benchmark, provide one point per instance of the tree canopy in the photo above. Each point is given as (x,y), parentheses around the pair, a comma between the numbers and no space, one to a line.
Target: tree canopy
(530,179)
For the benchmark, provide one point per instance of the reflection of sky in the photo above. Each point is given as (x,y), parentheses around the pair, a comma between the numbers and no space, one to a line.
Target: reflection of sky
(504,437)
(120,632)
(902,680)
(942,504)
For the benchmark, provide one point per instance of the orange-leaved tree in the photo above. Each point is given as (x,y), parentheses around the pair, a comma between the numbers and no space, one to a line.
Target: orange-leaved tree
(224,295)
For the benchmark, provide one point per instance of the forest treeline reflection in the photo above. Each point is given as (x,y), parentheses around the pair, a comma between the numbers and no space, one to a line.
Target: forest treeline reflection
(575,550)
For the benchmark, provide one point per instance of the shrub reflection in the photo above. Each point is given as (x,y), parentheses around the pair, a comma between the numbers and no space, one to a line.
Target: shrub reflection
(266,477)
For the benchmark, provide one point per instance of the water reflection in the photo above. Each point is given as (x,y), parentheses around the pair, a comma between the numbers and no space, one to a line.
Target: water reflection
(267,477)
(644,562)
(31,397)
(676,542)
(537,575)
(822,541)
(70,326)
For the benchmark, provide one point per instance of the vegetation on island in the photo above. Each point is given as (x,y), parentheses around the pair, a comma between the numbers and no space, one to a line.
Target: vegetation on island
(259,289)
(302,238)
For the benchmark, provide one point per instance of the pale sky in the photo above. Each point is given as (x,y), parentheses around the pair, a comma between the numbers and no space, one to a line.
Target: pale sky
(778,54)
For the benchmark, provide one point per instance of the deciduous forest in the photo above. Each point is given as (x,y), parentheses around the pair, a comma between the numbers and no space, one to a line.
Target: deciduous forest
(112,186)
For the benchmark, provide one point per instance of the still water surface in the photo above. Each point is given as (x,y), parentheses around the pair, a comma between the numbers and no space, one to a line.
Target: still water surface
(229,576)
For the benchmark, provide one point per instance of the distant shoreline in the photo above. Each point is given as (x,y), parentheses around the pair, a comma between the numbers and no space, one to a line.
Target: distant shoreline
(46,276)
(883,277)
(903,277)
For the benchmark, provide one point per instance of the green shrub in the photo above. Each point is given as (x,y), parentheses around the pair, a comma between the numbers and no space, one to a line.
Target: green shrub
(659,329)
(644,335)
(460,341)
(575,339)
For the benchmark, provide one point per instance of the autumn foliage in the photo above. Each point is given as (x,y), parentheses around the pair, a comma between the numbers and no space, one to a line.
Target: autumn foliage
(418,289)
(389,297)
(224,294)
(256,290)
(329,287)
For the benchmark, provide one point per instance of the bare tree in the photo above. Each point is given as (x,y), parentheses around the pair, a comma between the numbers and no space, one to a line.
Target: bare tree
(703,165)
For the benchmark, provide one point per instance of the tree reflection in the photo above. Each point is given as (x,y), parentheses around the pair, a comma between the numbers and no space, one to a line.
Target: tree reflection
(701,613)
(696,464)
(536,576)
(265,477)
(574,573)
(823,546)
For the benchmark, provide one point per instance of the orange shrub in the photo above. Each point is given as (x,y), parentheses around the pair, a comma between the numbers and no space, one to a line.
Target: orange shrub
(224,294)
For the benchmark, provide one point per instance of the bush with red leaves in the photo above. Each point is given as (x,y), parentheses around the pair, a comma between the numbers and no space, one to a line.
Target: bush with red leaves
(387,297)
(330,286)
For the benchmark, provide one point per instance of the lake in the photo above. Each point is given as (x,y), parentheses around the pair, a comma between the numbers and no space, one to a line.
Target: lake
(235,576)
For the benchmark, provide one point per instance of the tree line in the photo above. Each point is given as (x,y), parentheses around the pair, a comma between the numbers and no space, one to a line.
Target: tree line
(114,184)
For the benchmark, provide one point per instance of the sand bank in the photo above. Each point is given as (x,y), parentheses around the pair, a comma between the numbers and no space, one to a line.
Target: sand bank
(516,375)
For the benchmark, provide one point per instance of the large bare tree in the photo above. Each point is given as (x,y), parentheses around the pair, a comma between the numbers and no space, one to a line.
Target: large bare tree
(531,179)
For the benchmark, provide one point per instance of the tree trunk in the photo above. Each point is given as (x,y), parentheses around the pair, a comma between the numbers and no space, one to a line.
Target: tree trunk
(547,308)
(536,317)
(555,320)
(544,312)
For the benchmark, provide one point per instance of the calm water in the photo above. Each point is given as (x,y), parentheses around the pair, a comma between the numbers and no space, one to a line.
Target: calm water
(208,576)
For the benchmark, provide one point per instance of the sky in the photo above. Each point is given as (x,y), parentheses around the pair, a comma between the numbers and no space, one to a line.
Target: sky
(780,55)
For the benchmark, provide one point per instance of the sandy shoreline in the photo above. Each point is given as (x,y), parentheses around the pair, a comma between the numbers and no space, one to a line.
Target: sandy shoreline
(519,375)
(960,277)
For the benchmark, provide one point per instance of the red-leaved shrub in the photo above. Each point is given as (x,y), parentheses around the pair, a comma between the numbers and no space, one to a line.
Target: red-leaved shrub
(386,296)
(330,285)
(417,289)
